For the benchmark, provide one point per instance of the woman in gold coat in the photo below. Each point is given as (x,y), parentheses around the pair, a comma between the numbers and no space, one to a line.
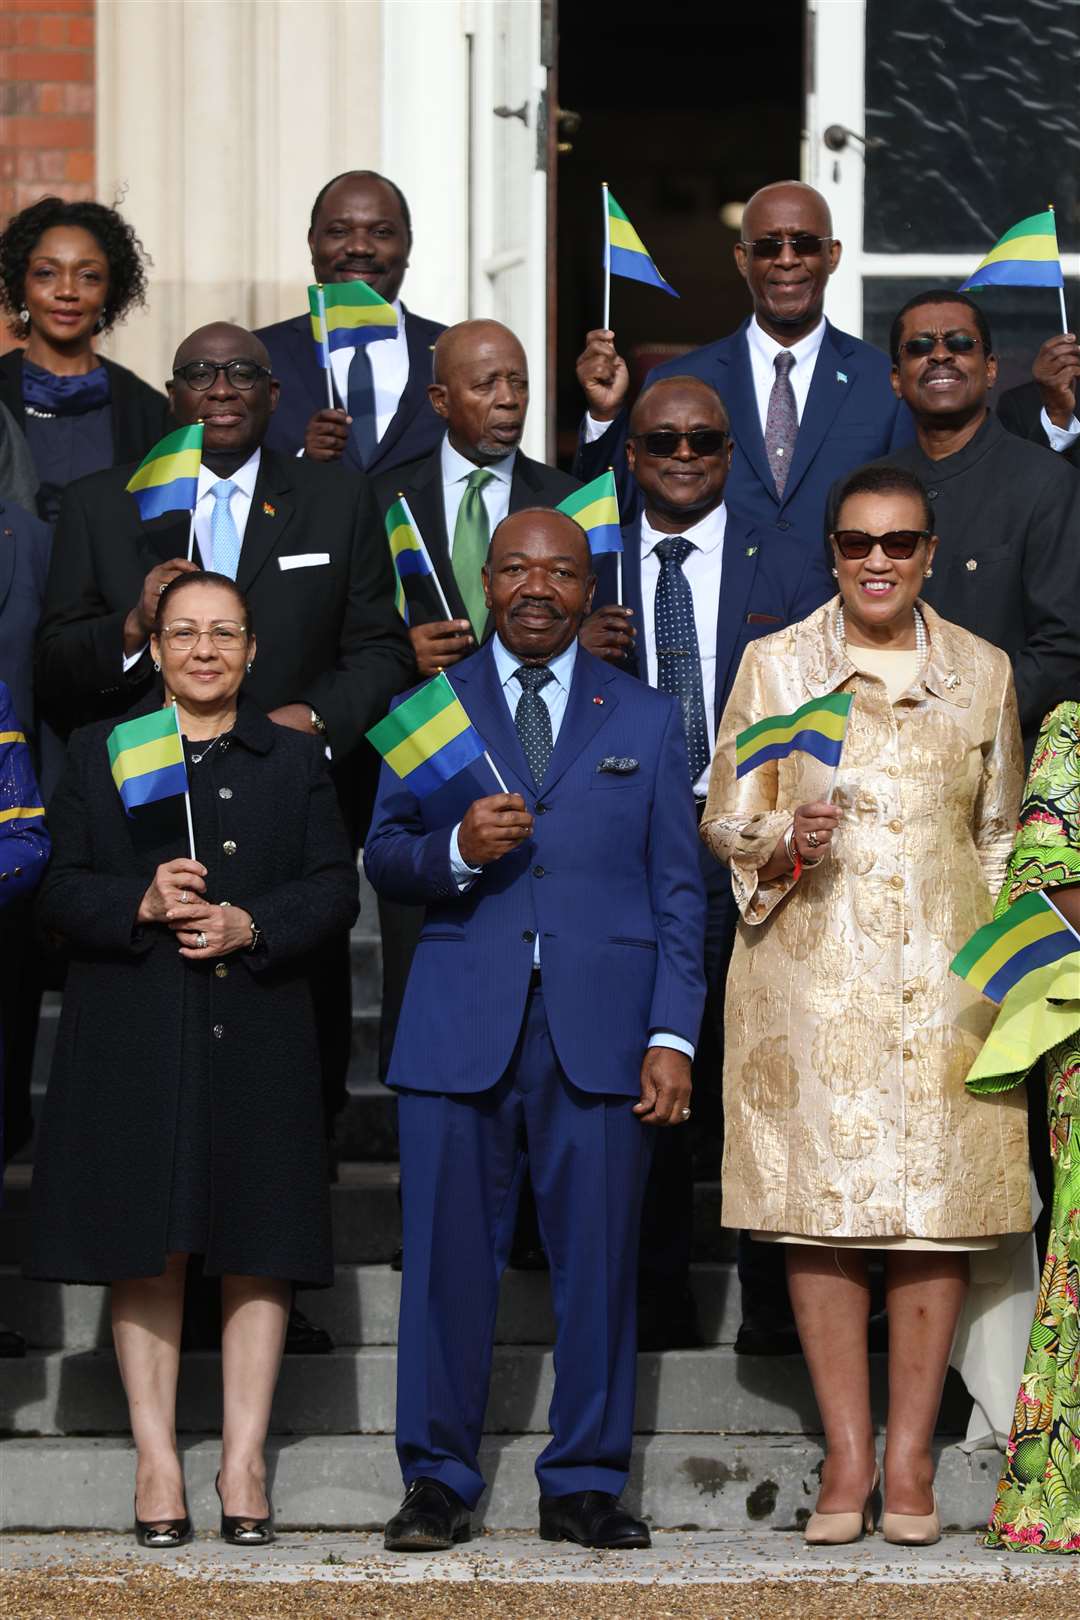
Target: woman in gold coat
(848,1126)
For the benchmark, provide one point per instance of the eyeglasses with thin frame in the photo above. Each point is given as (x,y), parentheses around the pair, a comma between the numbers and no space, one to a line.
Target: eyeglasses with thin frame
(226,635)
(203,374)
(665,441)
(898,544)
(917,348)
(805,245)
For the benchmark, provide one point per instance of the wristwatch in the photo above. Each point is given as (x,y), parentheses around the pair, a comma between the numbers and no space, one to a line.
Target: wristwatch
(318,722)
(256,935)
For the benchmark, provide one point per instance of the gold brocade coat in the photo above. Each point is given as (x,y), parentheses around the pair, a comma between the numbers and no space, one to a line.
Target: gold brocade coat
(847,1038)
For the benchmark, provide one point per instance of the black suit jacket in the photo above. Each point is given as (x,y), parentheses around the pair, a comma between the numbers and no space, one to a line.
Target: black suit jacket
(328,633)
(1020,410)
(415,427)
(140,414)
(533,484)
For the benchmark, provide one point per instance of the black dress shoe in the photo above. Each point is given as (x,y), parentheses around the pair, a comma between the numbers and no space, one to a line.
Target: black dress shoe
(592,1519)
(161,1534)
(304,1338)
(431,1518)
(529,1257)
(12,1343)
(397,1259)
(767,1339)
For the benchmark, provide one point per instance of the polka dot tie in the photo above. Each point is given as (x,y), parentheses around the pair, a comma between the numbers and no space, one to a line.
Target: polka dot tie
(224,539)
(533,718)
(781,422)
(678,661)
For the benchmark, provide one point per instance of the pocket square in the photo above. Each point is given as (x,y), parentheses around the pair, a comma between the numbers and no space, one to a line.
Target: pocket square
(304,559)
(617,766)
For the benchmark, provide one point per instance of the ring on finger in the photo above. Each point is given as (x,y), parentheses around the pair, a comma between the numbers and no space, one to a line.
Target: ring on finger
(200,941)
(184,897)
(686,1113)
(812,839)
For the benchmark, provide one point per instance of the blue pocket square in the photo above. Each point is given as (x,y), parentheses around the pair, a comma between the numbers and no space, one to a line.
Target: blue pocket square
(618,767)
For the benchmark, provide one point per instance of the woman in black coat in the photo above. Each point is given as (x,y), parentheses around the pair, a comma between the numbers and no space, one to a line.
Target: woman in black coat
(183,1112)
(68,272)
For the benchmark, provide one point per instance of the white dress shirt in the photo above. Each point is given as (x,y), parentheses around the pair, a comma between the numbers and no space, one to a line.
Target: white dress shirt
(554,694)
(389,358)
(703,571)
(1061,438)
(495,493)
(239,506)
(763,352)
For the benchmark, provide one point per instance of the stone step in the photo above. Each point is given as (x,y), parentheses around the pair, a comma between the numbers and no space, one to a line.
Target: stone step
(352,1391)
(693,1482)
(361,1308)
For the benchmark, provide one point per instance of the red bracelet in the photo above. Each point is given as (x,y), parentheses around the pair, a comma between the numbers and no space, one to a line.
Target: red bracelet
(792,847)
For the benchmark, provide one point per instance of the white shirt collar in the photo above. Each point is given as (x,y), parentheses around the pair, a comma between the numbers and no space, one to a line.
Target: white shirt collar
(456,468)
(561,667)
(705,534)
(244,477)
(804,353)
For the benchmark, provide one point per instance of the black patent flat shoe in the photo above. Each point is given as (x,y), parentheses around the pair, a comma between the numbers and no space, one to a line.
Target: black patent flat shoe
(244,1531)
(161,1534)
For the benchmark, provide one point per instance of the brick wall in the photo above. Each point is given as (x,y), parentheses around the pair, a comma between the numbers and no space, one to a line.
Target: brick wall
(46,100)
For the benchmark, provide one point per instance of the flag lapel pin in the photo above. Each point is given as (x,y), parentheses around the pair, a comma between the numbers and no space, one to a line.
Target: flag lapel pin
(598,700)
(270,510)
(841,376)
(751,551)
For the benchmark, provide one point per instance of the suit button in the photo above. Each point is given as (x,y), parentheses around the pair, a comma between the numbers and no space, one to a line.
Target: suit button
(907,996)
(906,1054)
(229,846)
(220,970)
(896,826)
(528,936)
(896,882)
(971,565)
(224,793)
(894,770)
(541,809)
(218,1032)
(18,871)
(782,523)
(538,871)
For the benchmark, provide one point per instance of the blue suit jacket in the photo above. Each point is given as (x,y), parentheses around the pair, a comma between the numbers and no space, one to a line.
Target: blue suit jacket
(610,880)
(851,416)
(768,581)
(415,428)
(25,543)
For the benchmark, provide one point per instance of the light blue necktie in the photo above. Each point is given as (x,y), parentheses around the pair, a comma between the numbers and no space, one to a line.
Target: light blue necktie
(224,539)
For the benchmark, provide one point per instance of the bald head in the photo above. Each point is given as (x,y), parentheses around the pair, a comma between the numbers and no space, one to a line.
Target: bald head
(481,389)
(659,400)
(538,582)
(220,336)
(784,195)
(234,411)
(786,254)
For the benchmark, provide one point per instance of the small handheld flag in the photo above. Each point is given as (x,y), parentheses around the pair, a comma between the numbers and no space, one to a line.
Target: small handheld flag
(429,738)
(1026,256)
(625,254)
(146,757)
(817,728)
(345,313)
(1031,934)
(167,479)
(595,506)
(410,554)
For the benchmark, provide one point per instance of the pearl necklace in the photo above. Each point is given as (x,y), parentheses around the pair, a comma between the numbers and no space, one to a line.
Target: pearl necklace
(921,638)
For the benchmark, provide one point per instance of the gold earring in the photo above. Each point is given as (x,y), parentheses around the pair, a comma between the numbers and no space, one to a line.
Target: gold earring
(929,574)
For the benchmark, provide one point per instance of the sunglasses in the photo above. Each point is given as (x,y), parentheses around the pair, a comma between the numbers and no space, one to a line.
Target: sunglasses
(203,374)
(804,246)
(898,544)
(665,441)
(918,348)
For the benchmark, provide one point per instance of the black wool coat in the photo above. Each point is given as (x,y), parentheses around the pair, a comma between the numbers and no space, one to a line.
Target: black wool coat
(137,1017)
(140,414)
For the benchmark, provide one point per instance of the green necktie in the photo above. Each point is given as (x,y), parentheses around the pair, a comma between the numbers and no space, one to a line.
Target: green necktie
(472,533)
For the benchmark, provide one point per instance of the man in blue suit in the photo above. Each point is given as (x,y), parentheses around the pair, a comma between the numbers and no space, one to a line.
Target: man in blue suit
(738,583)
(360,231)
(551,1011)
(807,402)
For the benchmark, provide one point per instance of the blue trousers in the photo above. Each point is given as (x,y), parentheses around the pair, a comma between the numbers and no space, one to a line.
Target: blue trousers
(462,1161)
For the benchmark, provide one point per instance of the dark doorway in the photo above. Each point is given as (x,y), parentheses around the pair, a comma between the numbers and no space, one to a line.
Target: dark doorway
(681,114)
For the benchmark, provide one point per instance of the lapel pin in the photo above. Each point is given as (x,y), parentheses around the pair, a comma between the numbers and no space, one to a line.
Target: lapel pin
(952,680)
(751,551)
(841,376)
(598,700)
(271,511)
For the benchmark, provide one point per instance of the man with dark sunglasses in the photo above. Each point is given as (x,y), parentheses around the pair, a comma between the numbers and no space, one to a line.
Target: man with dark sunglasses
(698,584)
(807,401)
(1007,511)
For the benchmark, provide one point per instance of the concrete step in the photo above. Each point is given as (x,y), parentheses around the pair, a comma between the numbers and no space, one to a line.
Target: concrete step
(696,1482)
(361,1308)
(352,1391)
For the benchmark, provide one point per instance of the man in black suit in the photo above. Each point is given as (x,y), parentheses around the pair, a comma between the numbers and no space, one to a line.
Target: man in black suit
(1045,409)
(360,231)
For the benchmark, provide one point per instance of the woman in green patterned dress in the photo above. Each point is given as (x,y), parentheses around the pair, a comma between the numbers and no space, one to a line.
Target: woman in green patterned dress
(1038,1500)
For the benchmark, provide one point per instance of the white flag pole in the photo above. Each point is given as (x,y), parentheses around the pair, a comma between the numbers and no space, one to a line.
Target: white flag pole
(187,795)
(1061,288)
(836,767)
(191,545)
(495,772)
(427,554)
(330,401)
(607,257)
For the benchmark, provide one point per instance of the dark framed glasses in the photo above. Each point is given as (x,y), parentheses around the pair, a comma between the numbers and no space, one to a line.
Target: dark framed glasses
(203,374)
(805,245)
(665,441)
(917,348)
(898,544)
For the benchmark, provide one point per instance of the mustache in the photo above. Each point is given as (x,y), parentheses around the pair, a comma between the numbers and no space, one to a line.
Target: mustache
(532,605)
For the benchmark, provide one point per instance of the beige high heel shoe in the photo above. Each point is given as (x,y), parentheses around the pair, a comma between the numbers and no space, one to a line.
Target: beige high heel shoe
(836,1529)
(912,1529)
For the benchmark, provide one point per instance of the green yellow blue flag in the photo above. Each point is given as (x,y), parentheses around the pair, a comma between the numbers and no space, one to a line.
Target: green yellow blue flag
(1031,934)
(345,313)
(1026,256)
(147,758)
(167,479)
(595,507)
(427,739)
(407,548)
(625,254)
(818,728)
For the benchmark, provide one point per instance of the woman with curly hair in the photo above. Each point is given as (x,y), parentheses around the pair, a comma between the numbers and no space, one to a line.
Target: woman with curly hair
(68,272)
(1038,1501)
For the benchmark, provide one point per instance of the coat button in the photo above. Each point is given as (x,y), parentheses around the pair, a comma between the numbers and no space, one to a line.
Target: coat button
(219,1030)
(18,871)
(894,770)
(220,970)
(528,936)
(538,871)
(971,565)
(907,996)
(896,882)
(933,494)
(229,846)
(896,826)
(224,793)
(541,809)
(782,523)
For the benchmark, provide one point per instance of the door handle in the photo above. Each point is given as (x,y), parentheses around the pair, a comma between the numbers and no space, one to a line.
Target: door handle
(837,136)
(521,112)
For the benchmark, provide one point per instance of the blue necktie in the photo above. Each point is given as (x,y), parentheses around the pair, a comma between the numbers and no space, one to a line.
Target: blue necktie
(224,539)
(532,717)
(361,402)
(678,661)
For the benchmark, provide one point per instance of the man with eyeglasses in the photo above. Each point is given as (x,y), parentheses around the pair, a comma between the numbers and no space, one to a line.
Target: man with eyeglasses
(1007,511)
(807,402)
